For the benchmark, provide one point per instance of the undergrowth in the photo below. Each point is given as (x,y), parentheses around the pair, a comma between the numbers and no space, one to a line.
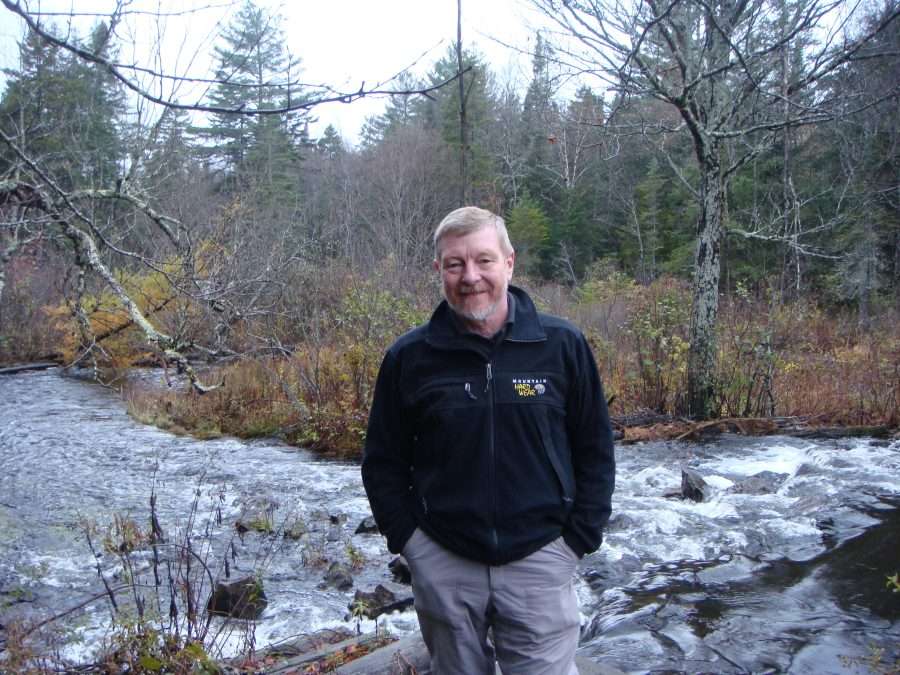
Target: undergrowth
(314,386)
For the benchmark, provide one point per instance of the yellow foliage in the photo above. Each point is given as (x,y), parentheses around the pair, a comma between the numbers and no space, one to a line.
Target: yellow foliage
(154,294)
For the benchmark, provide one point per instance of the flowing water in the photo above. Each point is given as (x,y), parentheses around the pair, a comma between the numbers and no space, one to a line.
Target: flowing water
(788,578)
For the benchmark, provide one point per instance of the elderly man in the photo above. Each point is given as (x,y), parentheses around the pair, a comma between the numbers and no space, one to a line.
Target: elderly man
(489,462)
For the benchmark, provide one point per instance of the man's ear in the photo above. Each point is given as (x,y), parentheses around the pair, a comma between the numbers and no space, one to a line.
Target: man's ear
(436,264)
(510,264)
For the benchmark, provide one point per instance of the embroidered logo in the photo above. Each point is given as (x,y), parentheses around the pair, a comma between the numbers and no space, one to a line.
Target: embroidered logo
(529,386)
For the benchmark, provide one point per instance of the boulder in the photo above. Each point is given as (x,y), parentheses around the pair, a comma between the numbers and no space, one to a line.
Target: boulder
(385,598)
(693,486)
(400,569)
(339,576)
(335,533)
(620,522)
(257,514)
(295,528)
(240,599)
(762,483)
(367,526)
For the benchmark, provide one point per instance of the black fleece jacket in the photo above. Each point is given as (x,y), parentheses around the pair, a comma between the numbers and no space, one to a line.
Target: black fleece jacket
(493,447)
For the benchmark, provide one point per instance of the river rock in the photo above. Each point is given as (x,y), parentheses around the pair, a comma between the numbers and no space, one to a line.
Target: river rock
(693,486)
(339,576)
(240,599)
(620,522)
(367,526)
(385,598)
(332,524)
(257,514)
(762,483)
(295,528)
(400,569)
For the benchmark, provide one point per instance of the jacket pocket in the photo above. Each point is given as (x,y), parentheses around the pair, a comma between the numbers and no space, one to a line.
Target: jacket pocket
(563,473)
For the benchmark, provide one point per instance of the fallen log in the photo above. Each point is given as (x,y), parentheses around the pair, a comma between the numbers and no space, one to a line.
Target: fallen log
(21,368)
(409,656)
(841,432)
(641,418)
(403,657)
(746,426)
(329,657)
(334,651)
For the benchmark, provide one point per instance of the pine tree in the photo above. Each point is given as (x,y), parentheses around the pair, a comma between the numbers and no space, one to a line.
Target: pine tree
(539,116)
(331,145)
(398,113)
(65,112)
(440,112)
(254,72)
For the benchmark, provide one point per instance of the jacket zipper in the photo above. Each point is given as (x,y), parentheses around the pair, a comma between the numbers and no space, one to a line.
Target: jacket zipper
(489,376)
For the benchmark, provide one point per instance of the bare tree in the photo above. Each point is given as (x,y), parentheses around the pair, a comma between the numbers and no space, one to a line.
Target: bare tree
(224,273)
(404,187)
(717,62)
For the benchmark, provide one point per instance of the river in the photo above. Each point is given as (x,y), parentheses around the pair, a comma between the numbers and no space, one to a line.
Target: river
(788,578)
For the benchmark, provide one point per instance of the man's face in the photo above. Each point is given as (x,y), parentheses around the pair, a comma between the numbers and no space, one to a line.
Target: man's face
(475,274)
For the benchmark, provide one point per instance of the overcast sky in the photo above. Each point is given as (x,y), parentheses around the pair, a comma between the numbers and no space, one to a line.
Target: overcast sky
(340,42)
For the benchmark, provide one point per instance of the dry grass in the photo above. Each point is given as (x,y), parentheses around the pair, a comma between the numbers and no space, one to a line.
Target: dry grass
(783,360)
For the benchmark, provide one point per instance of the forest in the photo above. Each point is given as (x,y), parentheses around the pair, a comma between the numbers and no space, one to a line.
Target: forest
(716,205)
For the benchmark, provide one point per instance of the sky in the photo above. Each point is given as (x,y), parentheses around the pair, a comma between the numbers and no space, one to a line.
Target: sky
(344,43)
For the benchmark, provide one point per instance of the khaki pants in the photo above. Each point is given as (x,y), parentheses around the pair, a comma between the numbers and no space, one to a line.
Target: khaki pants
(529,604)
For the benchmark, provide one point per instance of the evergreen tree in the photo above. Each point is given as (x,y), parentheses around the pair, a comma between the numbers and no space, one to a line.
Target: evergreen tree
(540,116)
(529,230)
(65,112)
(253,72)
(331,145)
(440,112)
(398,113)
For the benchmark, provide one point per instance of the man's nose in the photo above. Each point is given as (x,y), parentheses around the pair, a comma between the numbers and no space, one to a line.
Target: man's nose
(471,273)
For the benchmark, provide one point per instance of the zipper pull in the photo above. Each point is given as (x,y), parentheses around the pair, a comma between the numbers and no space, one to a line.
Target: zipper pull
(469,392)
(490,376)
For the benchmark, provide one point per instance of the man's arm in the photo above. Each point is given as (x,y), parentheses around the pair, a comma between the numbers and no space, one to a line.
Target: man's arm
(593,460)
(387,459)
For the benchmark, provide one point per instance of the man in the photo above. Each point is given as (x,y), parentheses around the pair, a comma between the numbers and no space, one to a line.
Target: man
(489,462)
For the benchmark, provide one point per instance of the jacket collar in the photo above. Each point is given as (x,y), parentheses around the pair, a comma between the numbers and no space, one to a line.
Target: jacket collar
(524,324)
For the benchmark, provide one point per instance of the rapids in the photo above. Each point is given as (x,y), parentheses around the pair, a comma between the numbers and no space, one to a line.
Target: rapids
(787,581)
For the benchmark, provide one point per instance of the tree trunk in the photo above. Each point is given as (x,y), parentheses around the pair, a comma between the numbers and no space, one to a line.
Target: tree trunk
(463,121)
(705,307)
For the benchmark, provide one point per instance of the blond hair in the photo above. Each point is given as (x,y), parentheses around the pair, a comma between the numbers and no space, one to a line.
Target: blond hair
(466,220)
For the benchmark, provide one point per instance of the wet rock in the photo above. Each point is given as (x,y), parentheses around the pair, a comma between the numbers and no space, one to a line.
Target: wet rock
(622,521)
(320,520)
(240,599)
(367,526)
(335,533)
(15,594)
(808,469)
(384,599)
(400,569)
(257,514)
(324,516)
(811,503)
(762,483)
(339,576)
(693,486)
(295,528)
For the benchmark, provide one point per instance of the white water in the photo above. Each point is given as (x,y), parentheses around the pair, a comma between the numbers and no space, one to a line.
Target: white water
(738,583)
